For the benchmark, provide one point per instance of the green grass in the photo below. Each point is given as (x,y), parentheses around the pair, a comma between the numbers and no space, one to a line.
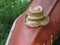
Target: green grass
(9,11)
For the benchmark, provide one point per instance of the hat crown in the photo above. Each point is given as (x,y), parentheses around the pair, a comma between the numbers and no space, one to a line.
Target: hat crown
(36,9)
(36,13)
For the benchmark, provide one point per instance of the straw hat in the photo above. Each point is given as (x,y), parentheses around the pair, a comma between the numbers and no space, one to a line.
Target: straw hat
(36,17)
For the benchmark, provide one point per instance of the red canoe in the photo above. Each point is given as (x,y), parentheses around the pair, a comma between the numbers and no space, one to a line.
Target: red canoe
(21,34)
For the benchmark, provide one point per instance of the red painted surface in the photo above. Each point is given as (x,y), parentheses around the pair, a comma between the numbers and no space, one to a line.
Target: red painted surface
(24,35)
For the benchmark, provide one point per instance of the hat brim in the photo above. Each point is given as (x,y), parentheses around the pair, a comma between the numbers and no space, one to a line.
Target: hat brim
(42,22)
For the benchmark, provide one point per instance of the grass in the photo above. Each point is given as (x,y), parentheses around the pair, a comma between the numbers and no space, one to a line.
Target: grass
(9,11)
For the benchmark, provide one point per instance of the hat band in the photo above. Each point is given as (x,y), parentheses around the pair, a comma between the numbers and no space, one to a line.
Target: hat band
(36,18)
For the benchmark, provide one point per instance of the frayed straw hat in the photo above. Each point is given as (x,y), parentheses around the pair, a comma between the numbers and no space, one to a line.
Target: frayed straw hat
(36,17)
